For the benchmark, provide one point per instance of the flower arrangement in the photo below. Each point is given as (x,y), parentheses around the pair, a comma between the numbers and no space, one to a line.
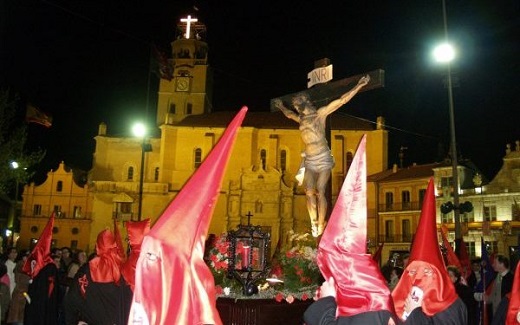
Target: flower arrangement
(296,267)
(217,260)
(298,264)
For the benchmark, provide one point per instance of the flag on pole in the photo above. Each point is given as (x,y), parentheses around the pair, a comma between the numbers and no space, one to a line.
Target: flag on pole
(377,254)
(462,253)
(173,284)
(136,230)
(41,254)
(159,64)
(35,115)
(119,241)
(485,285)
(450,254)
(513,311)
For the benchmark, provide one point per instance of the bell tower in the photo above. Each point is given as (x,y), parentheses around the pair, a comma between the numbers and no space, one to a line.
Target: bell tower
(189,92)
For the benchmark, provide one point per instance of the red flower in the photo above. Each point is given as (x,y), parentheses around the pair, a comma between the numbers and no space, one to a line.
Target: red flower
(219,290)
(222,249)
(279,297)
(305,297)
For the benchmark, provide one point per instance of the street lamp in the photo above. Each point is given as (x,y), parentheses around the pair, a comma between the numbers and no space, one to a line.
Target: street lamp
(445,53)
(139,130)
(13,221)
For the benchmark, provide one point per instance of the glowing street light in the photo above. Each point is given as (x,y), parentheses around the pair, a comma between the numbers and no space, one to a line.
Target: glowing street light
(139,130)
(445,53)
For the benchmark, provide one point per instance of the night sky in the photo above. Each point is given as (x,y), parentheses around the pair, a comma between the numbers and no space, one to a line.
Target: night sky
(87,62)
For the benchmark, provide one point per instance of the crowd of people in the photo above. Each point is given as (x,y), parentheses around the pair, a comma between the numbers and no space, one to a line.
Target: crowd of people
(486,285)
(427,289)
(65,287)
(14,282)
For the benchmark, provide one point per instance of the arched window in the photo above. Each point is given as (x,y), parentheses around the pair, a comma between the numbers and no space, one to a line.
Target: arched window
(130,173)
(263,157)
(189,108)
(59,186)
(156,174)
(283,160)
(198,157)
(259,206)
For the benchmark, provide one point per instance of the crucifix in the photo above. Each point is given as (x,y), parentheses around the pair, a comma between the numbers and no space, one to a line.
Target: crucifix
(311,109)
(188,22)
(249,215)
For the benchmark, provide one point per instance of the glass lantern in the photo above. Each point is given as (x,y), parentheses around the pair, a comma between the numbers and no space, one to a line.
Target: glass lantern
(248,251)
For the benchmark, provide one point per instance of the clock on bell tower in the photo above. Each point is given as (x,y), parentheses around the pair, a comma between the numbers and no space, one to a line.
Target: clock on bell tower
(182,84)
(189,92)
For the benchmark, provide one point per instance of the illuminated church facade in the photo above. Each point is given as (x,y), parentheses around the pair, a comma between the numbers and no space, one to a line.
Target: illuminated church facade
(260,177)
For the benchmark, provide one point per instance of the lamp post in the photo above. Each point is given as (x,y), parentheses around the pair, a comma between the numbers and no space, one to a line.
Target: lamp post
(139,130)
(445,53)
(12,223)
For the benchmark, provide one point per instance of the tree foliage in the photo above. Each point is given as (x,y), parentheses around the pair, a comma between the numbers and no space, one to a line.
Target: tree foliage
(13,138)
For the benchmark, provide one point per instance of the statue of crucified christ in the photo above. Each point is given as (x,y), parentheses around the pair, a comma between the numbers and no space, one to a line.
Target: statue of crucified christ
(318,161)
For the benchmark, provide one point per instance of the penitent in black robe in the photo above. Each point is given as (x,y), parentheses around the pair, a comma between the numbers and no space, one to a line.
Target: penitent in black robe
(43,295)
(455,314)
(323,312)
(96,303)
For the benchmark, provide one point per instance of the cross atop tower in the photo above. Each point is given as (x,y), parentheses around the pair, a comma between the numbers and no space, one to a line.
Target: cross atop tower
(188,22)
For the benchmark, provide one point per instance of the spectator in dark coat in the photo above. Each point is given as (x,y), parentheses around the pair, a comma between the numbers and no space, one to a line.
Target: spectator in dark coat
(464,292)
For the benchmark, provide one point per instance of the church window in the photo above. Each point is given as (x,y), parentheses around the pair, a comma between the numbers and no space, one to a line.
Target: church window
(189,108)
(130,173)
(77,212)
(37,210)
(156,174)
(59,186)
(172,108)
(198,157)
(57,210)
(283,160)
(259,206)
(263,157)
(125,207)
(348,159)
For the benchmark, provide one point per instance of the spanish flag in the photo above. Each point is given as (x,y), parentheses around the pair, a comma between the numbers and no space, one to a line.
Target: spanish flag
(34,115)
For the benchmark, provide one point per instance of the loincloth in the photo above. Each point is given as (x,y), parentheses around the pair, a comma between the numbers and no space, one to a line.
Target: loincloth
(320,162)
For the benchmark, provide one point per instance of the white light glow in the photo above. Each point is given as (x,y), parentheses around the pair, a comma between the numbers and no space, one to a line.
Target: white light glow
(444,53)
(139,130)
(188,22)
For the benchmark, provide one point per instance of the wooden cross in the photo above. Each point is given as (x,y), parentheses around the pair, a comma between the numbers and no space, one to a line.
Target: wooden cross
(322,94)
(188,22)
(249,215)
